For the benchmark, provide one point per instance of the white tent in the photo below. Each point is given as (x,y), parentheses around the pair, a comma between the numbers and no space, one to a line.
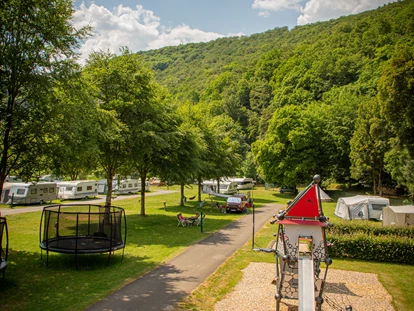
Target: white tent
(398,215)
(324,196)
(361,207)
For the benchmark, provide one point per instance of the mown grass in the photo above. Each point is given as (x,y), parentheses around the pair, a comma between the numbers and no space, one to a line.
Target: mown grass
(151,241)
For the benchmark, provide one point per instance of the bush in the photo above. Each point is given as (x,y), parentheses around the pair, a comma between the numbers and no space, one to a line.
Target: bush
(362,240)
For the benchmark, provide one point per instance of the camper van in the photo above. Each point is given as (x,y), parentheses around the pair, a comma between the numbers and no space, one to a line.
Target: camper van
(77,189)
(226,186)
(32,193)
(244,183)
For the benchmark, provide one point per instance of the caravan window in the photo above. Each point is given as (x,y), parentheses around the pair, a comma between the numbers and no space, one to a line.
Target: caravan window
(20,191)
(44,190)
(88,187)
(69,188)
(79,188)
(129,185)
(135,185)
(124,186)
(378,207)
(33,191)
(51,190)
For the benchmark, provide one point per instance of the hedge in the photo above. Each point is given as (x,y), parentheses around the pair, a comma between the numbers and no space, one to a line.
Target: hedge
(362,240)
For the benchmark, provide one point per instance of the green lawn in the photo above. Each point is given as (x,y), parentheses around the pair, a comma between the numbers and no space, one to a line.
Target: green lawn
(151,240)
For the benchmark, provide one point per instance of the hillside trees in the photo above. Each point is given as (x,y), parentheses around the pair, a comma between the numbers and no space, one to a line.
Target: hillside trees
(37,44)
(336,65)
(369,145)
(396,97)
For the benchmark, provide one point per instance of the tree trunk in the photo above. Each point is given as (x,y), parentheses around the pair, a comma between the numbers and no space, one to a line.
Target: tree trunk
(109,181)
(218,185)
(143,187)
(182,195)
(199,188)
(380,183)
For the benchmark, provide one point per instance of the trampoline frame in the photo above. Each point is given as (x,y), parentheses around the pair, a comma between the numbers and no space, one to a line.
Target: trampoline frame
(112,244)
(4,245)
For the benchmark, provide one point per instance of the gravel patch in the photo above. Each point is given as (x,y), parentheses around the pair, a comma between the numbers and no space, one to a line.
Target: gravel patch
(255,292)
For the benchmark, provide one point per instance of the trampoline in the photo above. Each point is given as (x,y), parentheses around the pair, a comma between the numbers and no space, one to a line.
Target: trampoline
(82,229)
(4,245)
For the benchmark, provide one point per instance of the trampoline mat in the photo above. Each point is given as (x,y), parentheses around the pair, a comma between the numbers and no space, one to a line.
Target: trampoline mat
(84,244)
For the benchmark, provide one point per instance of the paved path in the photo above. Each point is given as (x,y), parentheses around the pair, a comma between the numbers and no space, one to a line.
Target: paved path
(166,285)
(99,199)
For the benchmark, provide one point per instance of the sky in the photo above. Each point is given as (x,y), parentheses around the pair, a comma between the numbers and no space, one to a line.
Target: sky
(151,24)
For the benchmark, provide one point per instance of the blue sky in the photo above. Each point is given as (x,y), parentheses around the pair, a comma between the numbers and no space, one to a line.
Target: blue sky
(151,24)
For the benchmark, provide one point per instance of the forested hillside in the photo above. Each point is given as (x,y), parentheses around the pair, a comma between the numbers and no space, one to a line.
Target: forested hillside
(335,98)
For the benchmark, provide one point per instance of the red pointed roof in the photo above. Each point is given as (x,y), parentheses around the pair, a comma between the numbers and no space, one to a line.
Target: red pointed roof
(307,205)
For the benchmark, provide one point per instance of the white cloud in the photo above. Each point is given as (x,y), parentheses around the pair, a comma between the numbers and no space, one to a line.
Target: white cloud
(264,13)
(319,10)
(137,29)
(322,10)
(277,5)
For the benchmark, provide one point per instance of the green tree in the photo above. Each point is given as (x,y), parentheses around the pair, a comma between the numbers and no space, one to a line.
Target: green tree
(294,148)
(369,145)
(121,86)
(37,44)
(396,95)
(72,149)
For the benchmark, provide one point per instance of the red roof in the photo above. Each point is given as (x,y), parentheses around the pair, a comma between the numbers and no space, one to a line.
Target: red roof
(307,206)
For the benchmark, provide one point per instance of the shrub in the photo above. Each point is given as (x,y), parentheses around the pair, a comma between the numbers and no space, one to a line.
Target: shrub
(362,240)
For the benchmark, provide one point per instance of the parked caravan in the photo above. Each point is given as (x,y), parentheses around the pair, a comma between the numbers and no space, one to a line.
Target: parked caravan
(4,197)
(244,182)
(226,187)
(102,186)
(32,193)
(361,207)
(126,186)
(77,189)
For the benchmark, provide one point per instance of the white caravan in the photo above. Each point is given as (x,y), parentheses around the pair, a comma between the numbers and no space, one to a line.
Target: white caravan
(244,183)
(226,186)
(32,193)
(77,189)
(126,186)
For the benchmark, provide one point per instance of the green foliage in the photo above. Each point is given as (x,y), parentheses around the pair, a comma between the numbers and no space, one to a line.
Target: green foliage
(38,44)
(360,240)
(339,65)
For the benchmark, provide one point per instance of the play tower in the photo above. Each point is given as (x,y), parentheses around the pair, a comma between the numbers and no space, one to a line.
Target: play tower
(301,247)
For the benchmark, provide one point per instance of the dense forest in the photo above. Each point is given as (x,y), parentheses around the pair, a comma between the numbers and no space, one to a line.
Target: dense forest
(335,98)
(332,98)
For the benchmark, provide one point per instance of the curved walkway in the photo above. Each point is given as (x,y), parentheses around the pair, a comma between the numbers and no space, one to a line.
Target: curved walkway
(99,199)
(166,285)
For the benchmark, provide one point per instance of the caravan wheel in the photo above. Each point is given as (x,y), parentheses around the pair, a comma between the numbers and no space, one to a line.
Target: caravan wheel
(41,202)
